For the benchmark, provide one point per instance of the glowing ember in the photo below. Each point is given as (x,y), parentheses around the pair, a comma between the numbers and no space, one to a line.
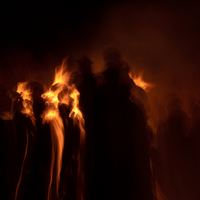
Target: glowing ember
(138,80)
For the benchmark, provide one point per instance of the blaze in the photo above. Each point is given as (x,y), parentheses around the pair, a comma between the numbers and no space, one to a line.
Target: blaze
(52,116)
(75,112)
(53,97)
(78,118)
(60,82)
(138,80)
(57,136)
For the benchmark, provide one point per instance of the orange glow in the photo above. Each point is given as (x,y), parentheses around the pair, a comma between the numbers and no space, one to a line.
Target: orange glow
(138,80)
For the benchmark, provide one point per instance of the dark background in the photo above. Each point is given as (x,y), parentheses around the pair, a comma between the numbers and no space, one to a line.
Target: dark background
(36,25)
(160,38)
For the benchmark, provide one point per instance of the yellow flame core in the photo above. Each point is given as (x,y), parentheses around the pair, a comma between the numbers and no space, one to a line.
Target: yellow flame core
(75,112)
(27,101)
(138,80)
(51,115)
(60,82)
(61,76)
(51,98)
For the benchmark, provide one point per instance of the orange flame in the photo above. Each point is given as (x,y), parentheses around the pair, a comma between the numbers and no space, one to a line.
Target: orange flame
(138,80)
(52,116)
(27,101)
(60,82)
(57,135)
(77,116)
(20,177)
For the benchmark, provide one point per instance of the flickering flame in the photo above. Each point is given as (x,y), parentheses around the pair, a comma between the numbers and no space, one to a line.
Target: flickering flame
(75,112)
(138,80)
(77,116)
(27,101)
(60,82)
(61,76)
(52,116)
(57,135)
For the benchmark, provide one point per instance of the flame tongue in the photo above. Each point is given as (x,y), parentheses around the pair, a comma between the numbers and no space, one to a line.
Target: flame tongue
(77,116)
(62,92)
(27,101)
(51,115)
